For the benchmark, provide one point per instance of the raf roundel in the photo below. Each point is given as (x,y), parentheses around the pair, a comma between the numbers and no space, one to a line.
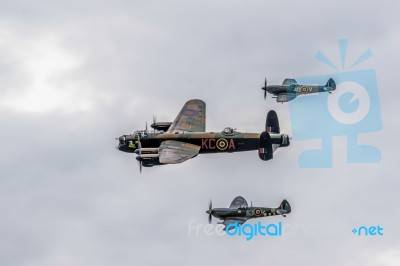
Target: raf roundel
(257,212)
(222,144)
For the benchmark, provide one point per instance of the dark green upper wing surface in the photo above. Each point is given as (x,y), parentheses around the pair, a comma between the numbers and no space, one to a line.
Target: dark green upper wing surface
(192,117)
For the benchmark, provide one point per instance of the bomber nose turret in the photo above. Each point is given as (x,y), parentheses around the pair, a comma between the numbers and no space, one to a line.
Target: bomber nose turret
(121,142)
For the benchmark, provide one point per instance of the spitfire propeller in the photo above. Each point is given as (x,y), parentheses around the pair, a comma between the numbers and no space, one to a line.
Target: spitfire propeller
(265,88)
(209,212)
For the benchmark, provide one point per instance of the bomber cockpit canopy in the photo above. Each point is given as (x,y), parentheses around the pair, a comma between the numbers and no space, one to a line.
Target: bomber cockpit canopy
(145,133)
(228,130)
(140,133)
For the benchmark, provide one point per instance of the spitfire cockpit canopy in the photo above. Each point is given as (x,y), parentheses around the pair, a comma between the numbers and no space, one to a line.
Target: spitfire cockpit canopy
(239,202)
(289,81)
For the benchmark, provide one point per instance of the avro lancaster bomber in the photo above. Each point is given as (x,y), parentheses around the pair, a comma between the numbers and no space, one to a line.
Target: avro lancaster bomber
(186,137)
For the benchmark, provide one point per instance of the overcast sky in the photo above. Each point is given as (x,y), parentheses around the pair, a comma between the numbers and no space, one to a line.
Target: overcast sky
(76,74)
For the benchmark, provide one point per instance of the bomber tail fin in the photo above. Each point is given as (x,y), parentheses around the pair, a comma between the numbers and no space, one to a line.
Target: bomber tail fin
(265,150)
(272,122)
(267,145)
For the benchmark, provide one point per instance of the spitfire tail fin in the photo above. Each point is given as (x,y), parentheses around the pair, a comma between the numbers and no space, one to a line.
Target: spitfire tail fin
(285,206)
(331,84)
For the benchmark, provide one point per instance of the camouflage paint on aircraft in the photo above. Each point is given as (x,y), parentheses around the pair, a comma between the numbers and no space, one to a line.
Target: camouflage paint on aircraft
(185,138)
(239,211)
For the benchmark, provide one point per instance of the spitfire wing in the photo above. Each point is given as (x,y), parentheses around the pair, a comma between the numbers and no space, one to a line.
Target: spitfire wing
(172,151)
(232,220)
(289,81)
(237,202)
(191,118)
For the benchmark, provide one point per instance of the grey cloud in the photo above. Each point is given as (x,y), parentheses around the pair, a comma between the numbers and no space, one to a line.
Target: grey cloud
(68,197)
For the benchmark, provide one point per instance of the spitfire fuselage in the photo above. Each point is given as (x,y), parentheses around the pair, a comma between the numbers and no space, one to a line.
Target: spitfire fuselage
(248,212)
(239,211)
(297,89)
(290,89)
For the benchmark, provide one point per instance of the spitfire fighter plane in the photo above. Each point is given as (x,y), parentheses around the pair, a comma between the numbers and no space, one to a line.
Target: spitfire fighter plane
(186,137)
(239,211)
(290,89)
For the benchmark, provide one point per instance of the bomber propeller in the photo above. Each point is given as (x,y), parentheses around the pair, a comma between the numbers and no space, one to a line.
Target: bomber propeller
(140,154)
(154,121)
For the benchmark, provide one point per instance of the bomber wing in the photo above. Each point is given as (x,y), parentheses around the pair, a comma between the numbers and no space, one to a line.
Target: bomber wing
(172,151)
(191,118)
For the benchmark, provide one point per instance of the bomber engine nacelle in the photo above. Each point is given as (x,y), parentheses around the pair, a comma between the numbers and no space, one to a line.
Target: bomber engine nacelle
(164,126)
(265,151)
(149,160)
(147,151)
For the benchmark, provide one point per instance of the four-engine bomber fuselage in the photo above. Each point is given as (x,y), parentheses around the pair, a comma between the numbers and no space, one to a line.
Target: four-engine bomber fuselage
(209,142)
